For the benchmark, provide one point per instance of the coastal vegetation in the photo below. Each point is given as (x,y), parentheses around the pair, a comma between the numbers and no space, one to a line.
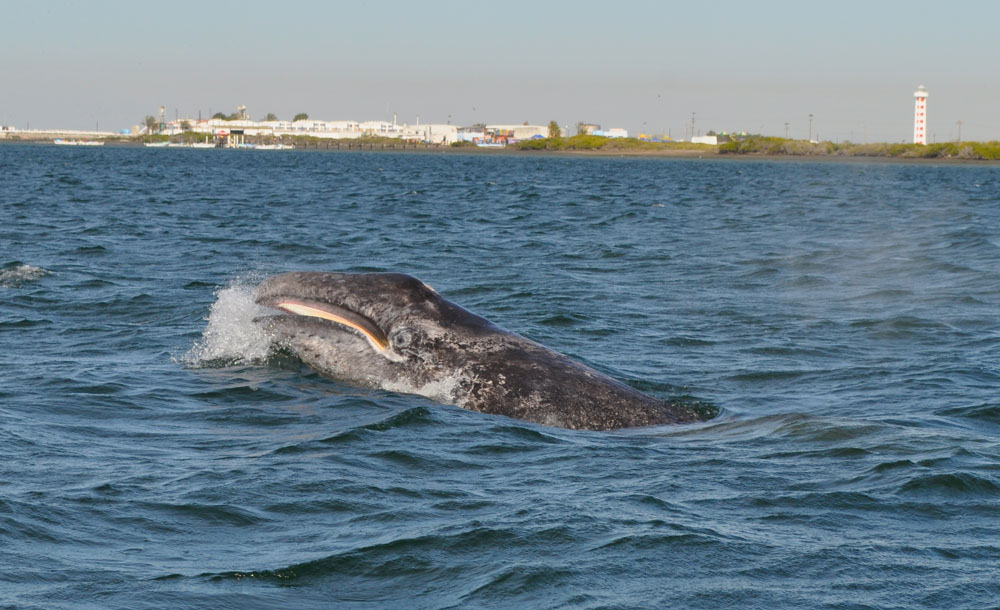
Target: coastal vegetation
(761,145)
(583,142)
(191,136)
(235,116)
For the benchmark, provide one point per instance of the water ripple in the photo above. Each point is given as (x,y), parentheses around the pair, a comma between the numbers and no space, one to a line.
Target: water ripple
(155,451)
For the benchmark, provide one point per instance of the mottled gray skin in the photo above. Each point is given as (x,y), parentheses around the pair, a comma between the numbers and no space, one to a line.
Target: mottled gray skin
(439,350)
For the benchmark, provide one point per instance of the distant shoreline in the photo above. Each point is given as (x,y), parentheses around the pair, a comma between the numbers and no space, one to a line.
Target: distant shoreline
(714,153)
(790,158)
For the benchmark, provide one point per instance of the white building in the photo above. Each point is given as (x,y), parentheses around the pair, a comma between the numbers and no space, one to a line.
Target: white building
(501,134)
(920,116)
(436,133)
(520,132)
(614,132)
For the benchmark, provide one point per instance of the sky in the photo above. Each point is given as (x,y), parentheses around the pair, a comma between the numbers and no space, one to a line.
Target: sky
(646,66)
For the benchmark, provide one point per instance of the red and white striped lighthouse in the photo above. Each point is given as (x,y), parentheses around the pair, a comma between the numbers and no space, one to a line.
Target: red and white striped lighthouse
(920,116)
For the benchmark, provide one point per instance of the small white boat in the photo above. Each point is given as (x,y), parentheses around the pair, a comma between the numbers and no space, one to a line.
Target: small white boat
(205,144)
(274,147)
(157,144)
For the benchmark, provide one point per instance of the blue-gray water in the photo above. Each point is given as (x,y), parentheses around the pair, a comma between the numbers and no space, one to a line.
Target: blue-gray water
(844,316)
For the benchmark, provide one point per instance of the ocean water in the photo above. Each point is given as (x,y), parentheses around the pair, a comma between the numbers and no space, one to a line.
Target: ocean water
(845,318)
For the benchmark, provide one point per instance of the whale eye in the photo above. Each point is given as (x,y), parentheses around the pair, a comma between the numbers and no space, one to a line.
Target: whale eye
(401,339)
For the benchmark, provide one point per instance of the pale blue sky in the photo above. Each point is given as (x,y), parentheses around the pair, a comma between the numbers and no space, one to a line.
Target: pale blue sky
(635,64)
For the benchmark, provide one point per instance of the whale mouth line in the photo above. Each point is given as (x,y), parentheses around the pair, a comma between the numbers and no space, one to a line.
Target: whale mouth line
(333,313)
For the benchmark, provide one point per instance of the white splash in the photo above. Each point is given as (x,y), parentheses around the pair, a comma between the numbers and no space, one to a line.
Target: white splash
(15,274)
(231,336)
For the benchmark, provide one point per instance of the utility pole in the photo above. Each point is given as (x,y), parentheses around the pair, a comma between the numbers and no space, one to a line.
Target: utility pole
(786,130)
(692,125)
(810,127)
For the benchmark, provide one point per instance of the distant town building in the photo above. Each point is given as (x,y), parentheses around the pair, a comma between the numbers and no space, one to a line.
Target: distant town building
(436,133)
(236,127)
(501,135)
(523,131)
(713,140)
(614,132)
(587,129)
(920,116)
(333,130)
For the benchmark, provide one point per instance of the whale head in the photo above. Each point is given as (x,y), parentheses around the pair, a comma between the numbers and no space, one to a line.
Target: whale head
(377,330)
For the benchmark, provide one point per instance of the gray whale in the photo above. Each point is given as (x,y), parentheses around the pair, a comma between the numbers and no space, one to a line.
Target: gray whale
(391,331)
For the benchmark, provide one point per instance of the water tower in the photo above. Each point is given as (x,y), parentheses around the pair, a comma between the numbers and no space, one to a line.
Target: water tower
(920,116)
